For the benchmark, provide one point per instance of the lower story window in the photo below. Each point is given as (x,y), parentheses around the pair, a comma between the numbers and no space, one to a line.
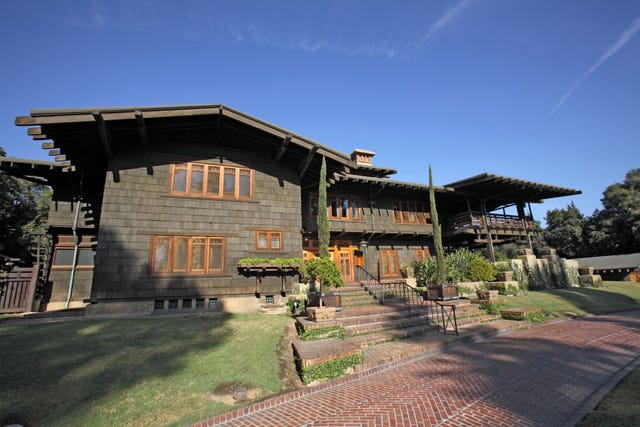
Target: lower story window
(389,262)
(422,254)
(269,240)
(187,255)
(64,252)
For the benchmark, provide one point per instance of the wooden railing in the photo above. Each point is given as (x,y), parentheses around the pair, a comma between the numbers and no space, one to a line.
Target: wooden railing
(397,292)
(19,291)
(475,220)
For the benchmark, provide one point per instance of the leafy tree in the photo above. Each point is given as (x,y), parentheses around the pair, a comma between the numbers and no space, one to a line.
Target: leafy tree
(620,218)
(322,218)
(23,211)
(564,230)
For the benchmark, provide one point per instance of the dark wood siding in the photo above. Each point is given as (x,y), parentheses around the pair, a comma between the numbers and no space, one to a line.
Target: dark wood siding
(137,205)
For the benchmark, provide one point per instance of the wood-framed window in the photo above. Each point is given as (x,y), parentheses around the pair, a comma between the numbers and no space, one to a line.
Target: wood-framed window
(64,251)
(187,255)
(411,213)
(389,262)
(344,208)
(422,254)
(268,240)
(211,181)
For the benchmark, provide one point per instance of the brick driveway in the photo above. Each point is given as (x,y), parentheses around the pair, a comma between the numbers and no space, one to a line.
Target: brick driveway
(549,375)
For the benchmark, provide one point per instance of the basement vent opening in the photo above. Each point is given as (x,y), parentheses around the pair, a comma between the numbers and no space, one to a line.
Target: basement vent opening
(158,304)
(269,299)
(213,302)
(186,303)
(199,302)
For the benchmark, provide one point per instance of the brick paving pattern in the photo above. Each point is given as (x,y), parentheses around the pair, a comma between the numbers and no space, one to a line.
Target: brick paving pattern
(546,375)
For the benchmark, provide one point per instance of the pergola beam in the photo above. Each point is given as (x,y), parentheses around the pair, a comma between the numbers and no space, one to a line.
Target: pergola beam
(105,135)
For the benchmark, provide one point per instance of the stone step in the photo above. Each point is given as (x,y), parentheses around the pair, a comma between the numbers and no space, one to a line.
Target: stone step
(378,317)
(395,324)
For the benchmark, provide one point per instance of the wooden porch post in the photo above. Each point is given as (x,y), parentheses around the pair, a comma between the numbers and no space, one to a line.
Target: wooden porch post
(523,220)
(483,211)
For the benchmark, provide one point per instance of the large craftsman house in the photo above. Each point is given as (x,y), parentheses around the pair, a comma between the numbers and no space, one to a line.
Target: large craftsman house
(154,206)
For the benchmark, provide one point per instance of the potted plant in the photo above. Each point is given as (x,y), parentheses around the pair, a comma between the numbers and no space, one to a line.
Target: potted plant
(407,271)
(504,273)
(326,274)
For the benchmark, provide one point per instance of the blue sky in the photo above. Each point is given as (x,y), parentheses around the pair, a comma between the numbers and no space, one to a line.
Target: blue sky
(541,90)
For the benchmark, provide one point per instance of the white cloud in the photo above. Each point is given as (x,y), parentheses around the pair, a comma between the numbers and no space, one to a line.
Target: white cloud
(612,50)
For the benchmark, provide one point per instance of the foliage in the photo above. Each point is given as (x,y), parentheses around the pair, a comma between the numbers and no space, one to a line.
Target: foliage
(441,275)
(615,229)
(507,251)
(333,369)
(505,288)
(564,230)
(502,266)
(323,270)
(24,207)
(5,267)
(534,317)
(324,232)
(143,372)
(465,290)
(323,333)
(278,262)
(460,266)
(302,303)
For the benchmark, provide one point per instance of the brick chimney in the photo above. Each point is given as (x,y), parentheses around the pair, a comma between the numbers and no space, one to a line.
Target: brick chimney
(362,157)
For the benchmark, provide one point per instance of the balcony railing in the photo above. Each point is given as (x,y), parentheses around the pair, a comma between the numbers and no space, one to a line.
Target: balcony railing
(475,220)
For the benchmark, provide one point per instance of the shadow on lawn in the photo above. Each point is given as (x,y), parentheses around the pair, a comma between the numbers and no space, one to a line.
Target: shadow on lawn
(596,300)
(66,368)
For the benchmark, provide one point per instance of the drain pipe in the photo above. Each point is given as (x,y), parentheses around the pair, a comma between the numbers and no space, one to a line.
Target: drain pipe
(75,253)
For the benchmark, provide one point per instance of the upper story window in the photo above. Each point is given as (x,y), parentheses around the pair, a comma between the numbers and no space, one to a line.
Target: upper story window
(269,240)
(344,208)
(187,255)
(211,181)
(411,213)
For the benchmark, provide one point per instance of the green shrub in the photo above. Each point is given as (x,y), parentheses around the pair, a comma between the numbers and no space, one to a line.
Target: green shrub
(322,269)
(479,270)
(302,303)
(461,266)
(333,369)
(505,289)
(503,266)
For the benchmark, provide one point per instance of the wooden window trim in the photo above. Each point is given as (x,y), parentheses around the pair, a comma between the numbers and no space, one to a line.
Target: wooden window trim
(67,242)
(188,272)
(349,216)
(422,254)
(403,210)
(270,234)
(237,172)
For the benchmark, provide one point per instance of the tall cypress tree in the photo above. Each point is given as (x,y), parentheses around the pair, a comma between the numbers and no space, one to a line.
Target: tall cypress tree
(322,218)
(437,233)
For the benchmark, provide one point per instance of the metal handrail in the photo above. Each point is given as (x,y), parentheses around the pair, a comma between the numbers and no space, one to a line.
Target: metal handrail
(399,292)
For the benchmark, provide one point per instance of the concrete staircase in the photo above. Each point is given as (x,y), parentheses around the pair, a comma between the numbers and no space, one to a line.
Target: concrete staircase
(387,332)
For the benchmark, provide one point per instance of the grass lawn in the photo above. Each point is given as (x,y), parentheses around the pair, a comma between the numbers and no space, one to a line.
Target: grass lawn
(149,371)
(613,297)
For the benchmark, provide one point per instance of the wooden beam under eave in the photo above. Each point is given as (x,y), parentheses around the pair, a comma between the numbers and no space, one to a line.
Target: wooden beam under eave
(61,158)
(34,131)
(283,147)
(48,145)
(104,133)
(307,161)
(142,128)
(40,137)
(54,152)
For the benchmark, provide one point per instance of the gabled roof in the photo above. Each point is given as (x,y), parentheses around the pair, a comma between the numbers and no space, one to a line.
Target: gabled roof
(385,182)
(611,262)
(497,187)
(88,137)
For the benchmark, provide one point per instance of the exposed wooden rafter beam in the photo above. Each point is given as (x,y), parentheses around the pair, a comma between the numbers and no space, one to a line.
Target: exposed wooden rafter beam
(304,165)
(283,147)
(104,133)
(47,145)
(142,128)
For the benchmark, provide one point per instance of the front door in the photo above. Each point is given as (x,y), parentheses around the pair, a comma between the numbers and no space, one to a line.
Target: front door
(345,262)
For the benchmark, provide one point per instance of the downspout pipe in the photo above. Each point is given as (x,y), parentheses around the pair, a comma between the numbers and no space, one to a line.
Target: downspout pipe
(76,245)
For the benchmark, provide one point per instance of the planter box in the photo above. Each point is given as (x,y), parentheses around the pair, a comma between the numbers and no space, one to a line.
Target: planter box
(504,276)
(324,314)
(443,292)
(331,299)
